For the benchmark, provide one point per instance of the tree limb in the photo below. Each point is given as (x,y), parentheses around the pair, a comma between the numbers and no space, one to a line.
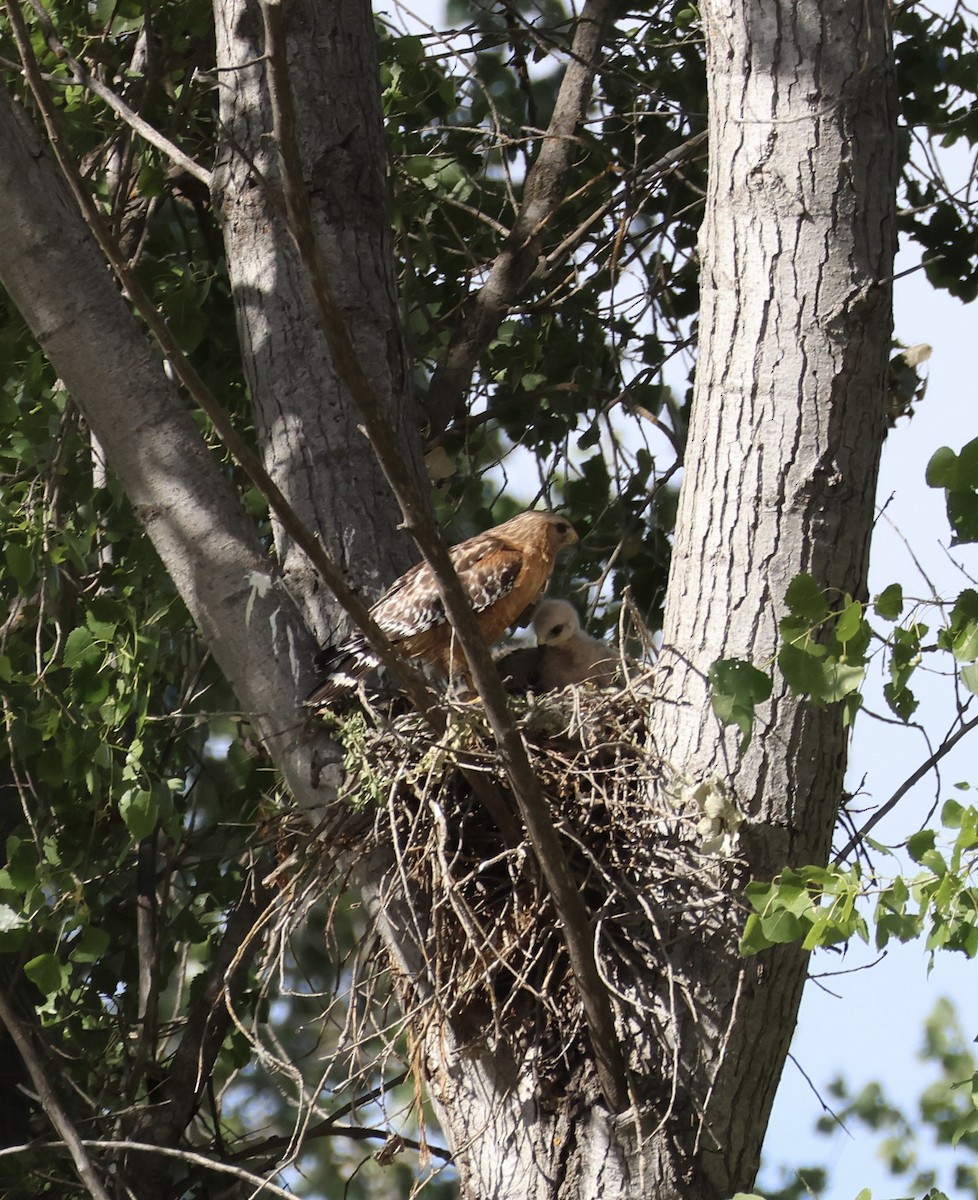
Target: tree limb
(262,1186)
(542,193)
(925,767)
(512,750)
(50,1102)
(83,76)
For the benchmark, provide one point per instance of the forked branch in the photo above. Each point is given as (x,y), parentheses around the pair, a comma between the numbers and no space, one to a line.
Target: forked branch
(542,194)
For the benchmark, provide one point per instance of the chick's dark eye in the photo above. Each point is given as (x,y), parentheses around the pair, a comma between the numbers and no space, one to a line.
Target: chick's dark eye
(557,629)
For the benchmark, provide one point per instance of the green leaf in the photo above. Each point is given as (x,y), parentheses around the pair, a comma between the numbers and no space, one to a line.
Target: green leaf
(21,562)
(969,677)
(941,469)
(965,644)
(139,809)
(889,603)
(840,680)
(80,648)
(919,843)
(806,599)
(735,688)
(849,622)
(803,672)
(90,947)
(951,814)
(962,515)
(103,631)
(47,973)
(753,940)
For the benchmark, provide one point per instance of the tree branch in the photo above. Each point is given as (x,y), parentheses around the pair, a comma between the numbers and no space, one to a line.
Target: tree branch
(925,767)
(50,1102)
(262,1186)
(512,750)
(82,75)
(542,193)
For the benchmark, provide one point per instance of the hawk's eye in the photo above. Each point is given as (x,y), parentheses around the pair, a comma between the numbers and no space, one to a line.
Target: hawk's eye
(557,629)
(562,527)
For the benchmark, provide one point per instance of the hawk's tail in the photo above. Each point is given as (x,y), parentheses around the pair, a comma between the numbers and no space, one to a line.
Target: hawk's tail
(344,668)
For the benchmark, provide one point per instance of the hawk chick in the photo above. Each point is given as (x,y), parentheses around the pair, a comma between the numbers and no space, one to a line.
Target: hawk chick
(502,571)
(563,655)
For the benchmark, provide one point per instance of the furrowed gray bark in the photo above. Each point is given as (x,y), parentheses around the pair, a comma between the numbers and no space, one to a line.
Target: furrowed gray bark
(781,464)
(307,424)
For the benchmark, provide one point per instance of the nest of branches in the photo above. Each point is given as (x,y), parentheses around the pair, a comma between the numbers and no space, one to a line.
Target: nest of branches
(650,857)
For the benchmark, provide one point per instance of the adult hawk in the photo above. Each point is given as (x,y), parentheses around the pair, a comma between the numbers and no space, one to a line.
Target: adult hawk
(502,571)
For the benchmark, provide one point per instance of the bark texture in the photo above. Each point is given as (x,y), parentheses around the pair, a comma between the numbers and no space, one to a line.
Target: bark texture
(307,424)
(797,249)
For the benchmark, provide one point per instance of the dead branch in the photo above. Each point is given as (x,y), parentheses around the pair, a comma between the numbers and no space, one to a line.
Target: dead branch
(50,1102)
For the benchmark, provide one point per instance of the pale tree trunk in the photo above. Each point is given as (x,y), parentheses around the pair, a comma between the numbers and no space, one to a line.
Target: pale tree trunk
(307,423)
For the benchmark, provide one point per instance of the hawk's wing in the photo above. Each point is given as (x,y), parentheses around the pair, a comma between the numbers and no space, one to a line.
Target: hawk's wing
(487,568)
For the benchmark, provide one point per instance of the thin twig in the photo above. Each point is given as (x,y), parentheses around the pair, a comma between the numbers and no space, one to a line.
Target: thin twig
(926,766)
(263,1186)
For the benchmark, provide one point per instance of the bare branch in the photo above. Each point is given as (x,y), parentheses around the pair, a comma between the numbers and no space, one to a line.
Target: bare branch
(264,1187)
(925,767)
(208,1023)
(512,750)
(542,193)
(50,1102)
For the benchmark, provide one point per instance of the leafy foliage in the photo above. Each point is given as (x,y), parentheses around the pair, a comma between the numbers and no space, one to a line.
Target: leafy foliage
(131,787)
(820,906)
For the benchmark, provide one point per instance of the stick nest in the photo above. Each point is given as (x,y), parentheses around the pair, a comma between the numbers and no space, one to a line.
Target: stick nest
(440,811)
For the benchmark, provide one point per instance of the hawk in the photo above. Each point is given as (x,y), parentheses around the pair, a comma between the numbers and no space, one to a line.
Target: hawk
(502,571)
(564,654)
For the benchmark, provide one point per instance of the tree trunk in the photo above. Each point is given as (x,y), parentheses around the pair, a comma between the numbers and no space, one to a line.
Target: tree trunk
(781,465)
(306,420)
